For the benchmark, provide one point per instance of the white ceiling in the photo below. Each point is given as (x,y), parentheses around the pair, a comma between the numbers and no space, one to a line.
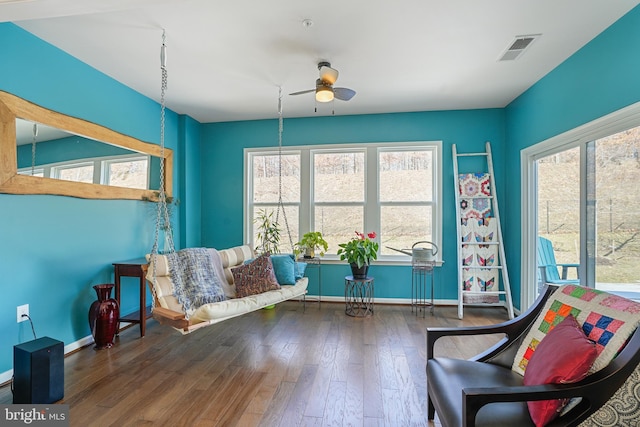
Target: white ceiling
(227,58)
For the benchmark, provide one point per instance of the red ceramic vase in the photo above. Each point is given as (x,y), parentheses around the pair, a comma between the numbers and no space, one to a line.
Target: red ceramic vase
(103,317)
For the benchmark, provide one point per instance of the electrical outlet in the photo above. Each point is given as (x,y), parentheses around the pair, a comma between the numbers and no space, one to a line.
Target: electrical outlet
(23,309)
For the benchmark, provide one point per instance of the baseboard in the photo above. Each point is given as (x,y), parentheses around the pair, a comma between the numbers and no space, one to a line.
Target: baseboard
(406,301)
(397,301)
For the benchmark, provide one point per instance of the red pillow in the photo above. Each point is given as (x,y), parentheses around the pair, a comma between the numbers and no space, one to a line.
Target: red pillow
(564,355)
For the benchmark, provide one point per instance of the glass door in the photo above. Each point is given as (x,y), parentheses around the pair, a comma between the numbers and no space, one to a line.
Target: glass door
(613,193)
(558,201)
(588,210)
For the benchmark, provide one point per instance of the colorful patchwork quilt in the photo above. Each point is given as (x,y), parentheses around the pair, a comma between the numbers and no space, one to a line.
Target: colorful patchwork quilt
(607,319)
(475,256)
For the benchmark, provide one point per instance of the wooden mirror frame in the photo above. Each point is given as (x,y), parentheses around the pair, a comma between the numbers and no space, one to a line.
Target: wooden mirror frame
(13,107)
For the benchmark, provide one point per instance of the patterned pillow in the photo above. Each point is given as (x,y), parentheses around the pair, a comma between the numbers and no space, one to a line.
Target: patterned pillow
(623,409)
(607,319)
(256,277)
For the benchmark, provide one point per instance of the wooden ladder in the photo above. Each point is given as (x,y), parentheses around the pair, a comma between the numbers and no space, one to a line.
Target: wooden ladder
(481,260)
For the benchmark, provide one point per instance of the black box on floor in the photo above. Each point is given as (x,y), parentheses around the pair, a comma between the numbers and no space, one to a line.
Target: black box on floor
(38,371)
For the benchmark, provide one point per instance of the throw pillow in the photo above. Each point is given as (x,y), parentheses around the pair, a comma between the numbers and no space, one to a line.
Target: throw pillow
(300,269)
(256,277)
(284,266)
(623,409)
(549,365)
(607,319)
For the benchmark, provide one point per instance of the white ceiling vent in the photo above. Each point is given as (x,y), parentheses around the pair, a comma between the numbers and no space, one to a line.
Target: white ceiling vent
(518,46)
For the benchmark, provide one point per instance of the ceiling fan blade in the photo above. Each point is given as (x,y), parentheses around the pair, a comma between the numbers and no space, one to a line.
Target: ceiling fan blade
(328,75)
(343,93)
(303,91)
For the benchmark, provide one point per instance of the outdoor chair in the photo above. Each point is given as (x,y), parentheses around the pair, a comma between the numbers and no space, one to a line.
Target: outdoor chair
(488,390)
(549,269)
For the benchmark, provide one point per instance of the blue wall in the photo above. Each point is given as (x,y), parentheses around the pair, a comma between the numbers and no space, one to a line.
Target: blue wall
(55,248)
(599,79)
(222,175)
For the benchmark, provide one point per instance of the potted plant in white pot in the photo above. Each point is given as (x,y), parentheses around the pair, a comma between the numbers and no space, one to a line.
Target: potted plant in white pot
(310,243)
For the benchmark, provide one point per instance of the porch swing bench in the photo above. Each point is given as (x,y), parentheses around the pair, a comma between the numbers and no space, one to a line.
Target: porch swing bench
(169,309)
(197,287)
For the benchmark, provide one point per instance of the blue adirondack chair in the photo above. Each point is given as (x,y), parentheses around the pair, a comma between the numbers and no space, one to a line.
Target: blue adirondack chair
(549,269)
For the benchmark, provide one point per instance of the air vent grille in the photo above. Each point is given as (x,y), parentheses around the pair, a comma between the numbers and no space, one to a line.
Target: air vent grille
(517,47)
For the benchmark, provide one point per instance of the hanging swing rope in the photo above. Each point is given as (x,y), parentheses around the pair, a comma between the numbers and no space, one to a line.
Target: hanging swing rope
(280,201)
(33,149)
(162,211)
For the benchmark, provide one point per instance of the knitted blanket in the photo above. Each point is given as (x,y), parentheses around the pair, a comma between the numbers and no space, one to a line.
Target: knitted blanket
(195,282)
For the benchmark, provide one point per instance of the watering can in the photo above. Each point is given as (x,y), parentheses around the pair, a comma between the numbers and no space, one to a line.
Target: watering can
(420,254)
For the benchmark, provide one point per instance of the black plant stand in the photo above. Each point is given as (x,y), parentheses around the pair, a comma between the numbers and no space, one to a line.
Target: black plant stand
(358,296)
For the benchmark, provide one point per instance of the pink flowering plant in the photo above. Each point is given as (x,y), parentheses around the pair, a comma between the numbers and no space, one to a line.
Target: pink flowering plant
(360,250)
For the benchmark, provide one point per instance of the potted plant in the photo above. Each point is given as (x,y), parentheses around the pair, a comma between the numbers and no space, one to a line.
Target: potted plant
(359,252)
(311,242)
(268,237)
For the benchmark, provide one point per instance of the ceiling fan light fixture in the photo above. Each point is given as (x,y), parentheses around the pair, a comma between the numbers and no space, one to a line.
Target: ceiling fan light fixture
(324,94)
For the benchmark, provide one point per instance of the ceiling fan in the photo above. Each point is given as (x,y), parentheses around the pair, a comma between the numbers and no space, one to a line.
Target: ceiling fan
(325,92)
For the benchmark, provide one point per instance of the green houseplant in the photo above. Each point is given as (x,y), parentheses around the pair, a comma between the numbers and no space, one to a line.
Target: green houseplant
(359,252)
(311,242)
(268,237)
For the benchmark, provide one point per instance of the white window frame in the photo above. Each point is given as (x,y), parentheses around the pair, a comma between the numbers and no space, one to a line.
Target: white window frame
(33,172)
(372,209)
(59,167)
(105,176)
(100,167)
(610,124)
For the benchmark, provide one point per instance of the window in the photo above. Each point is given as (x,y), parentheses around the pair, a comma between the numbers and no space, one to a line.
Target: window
(579,192)
(130,171)
(338,196)
(392,189)
(406,197)
(78,172)
(266,178)
(32,172)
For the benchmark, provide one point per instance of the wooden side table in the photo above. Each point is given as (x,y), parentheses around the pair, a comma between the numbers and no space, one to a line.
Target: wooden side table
(133,268)
(358,296)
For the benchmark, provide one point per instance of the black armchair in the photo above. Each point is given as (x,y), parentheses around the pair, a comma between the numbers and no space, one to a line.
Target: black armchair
(484,391)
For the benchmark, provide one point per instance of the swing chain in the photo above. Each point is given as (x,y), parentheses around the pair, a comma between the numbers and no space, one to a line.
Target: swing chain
(162,212)
(33,149)
(280,201)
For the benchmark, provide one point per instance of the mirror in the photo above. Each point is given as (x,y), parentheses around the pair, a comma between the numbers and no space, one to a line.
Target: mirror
(99,156)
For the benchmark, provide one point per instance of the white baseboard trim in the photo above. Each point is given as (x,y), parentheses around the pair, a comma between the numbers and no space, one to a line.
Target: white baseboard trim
(82,342)
(311,299)
(398,301)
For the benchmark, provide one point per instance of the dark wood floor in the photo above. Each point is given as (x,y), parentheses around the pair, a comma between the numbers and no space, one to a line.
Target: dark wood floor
(282,367)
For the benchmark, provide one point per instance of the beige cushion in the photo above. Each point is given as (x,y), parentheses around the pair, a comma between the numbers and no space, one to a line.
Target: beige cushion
(230,308)
(215,312)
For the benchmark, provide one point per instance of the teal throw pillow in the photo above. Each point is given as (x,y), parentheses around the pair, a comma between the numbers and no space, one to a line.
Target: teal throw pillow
(284,266)
(300,269)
